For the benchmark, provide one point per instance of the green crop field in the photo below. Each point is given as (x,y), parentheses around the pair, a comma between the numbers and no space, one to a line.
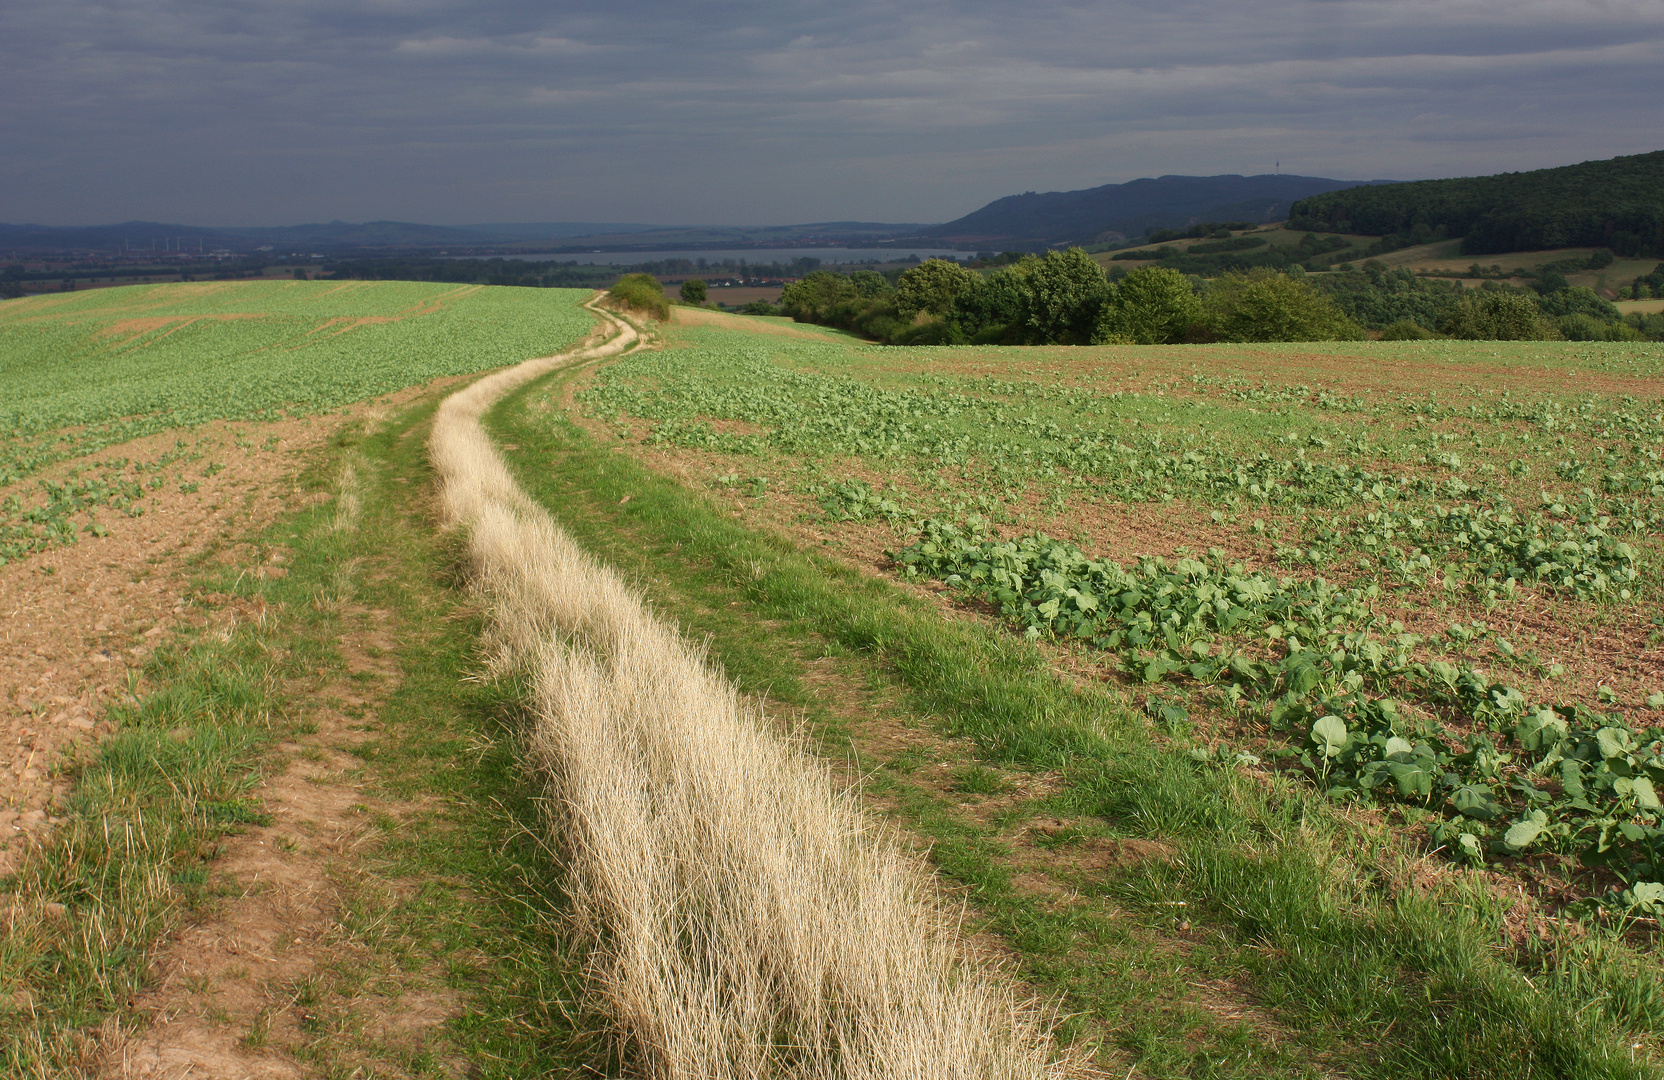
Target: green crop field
(83,370)
(1356,561)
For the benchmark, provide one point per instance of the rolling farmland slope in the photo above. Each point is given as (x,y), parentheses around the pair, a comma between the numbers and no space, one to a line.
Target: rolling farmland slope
(86,369)
(1271,710)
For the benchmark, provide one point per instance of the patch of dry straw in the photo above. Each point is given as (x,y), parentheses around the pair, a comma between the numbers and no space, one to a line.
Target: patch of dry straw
(746,917)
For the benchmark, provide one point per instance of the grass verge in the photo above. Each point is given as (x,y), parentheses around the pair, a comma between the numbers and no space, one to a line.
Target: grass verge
(134,851)
(456,899)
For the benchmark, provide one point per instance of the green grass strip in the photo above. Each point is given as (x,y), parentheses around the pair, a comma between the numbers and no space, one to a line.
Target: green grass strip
(133,854)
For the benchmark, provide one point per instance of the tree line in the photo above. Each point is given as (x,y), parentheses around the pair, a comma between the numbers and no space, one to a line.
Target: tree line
(1066,298)
(1617,203)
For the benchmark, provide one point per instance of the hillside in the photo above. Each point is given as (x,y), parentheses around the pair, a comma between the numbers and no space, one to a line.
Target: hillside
(1130,209)
(1617,203)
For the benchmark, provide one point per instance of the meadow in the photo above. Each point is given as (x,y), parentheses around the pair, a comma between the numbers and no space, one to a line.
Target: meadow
(1419,580)
(85,370)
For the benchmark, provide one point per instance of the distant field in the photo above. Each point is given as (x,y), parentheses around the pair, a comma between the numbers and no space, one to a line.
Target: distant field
(744,294)
(1273,235)
(1645,307)
(1446,255)
(83,370)
(282,272)
(1271,710)
(1442,257)
(1069,440)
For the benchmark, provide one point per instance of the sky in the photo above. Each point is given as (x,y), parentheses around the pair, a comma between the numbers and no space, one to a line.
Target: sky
(704,112)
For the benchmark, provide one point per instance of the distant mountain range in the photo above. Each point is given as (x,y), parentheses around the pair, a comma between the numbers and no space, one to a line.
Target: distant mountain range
(1027,222)
(379,237)
(1617,203)
(332,237)
(1117,211)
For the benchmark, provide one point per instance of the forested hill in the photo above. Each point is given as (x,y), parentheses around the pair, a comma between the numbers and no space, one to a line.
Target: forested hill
(1617,203)
(1131,209)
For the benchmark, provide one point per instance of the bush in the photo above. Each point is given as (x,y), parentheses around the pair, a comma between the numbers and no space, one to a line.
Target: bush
(1499,315)
(1263,305)
(1153,305)
(932,287)
(1581,327)
(693,291)
(1376,297)
(862,302)
(761,307)
(1579,300)
(1066,294)
(1054,299)
(941,332)
(1650,327)
(812,299)
(1404,330)
(641,292)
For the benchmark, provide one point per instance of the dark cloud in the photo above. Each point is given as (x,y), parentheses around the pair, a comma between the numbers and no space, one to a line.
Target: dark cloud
(234,111)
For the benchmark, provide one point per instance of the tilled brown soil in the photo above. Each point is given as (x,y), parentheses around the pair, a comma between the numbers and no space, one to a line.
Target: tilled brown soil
(282,979)
(79,621)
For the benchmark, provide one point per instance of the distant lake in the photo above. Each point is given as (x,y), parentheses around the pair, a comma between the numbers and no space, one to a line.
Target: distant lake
(752,256)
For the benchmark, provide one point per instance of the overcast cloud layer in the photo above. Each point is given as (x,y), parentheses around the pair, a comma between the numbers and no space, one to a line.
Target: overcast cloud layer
(265,112)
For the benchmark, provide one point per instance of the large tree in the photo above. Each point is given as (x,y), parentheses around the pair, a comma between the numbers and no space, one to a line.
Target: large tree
(932,287)
(1263,305)
(1153,305)
(1066,292)
(813,298)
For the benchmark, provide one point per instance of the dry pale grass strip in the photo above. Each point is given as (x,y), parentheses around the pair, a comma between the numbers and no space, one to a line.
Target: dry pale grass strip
(747,918)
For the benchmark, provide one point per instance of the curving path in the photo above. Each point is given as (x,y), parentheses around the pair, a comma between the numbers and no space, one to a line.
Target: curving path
(745,917)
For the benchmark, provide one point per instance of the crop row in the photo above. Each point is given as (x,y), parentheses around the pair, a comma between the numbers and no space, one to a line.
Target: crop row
(1529,776)
(1432,519)
(1015,431)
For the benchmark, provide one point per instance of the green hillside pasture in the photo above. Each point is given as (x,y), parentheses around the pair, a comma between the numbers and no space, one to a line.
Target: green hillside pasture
(82,371)
(1273,237)
(1444,258)
(1441,257)
(1442,253)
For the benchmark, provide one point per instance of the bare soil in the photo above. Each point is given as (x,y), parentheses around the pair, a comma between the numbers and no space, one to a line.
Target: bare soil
(282,979)
(80,621)
(688,316)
